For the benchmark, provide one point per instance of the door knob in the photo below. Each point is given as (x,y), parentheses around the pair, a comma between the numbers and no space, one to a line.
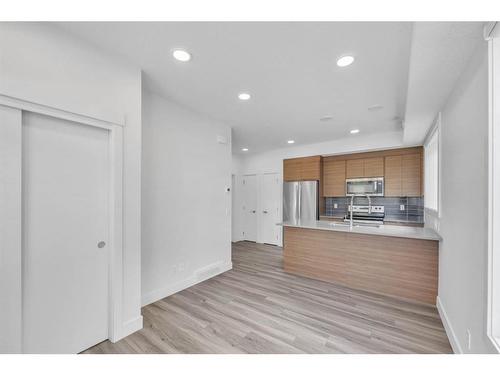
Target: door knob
(101,244)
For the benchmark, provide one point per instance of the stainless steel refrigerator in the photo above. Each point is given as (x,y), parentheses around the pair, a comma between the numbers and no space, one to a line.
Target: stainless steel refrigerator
(300,201)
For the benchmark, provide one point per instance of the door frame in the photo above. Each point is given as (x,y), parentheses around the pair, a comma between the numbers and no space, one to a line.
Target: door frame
(115,210)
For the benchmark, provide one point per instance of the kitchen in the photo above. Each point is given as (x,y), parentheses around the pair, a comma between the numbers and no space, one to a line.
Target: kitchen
(347,220)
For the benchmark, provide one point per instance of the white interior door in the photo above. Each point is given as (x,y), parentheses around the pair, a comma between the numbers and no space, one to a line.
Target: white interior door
(249,207)
(270,215)
(65,216)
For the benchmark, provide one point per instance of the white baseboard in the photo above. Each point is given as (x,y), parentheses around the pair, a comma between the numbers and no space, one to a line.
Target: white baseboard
(455,344)
(198,276)
(128,328)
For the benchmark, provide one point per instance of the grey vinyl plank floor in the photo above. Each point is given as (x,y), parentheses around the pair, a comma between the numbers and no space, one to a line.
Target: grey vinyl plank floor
(258,308)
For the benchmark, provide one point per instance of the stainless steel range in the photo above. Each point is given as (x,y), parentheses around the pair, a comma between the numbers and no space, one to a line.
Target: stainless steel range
(363,214)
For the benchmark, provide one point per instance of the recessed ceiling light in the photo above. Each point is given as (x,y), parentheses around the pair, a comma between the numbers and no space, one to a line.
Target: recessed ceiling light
(244,149)
(345,60)
(325,118)
(290,141)
(354,131)
(181,55)
(244,96)
(375,107)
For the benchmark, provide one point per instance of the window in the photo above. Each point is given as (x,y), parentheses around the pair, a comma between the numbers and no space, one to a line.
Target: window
(431,169)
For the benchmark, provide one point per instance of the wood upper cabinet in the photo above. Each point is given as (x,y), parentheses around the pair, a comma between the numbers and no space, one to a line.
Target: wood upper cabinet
(401,168)
(310,168)
(392,176)
(355,168)
(411,175)
(291,169)
(302,169)
(373,167)
(403,175)
(369,167)
(334,175)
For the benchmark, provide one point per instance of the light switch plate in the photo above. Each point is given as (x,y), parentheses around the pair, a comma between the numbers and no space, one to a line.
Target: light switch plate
(335,205)
(401,207)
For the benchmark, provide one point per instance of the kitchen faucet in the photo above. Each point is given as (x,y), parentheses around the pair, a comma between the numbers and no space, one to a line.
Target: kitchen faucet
(352,208)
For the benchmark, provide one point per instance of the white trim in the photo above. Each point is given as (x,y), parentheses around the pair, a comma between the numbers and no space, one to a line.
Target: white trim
(493,278)
(435,128)
(10,230)
(117,328)
(158,294)
(488,30)
(452,337)
(24,105)
(116,234)
(128,328)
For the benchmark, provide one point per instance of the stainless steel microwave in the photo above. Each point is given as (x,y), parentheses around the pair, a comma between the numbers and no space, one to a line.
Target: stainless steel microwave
(365,186)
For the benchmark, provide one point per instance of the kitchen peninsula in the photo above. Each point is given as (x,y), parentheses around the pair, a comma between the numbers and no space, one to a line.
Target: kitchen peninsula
(398,261)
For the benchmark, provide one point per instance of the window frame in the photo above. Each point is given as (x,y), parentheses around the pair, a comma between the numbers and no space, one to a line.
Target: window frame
(492,34)
(435,130)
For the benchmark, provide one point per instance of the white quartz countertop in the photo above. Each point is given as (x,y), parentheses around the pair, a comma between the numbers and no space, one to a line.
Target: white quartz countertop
(382,230)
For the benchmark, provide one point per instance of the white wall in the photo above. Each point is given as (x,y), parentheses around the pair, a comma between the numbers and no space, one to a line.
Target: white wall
(272,161)
(186,211)
(463,221)
(41,64)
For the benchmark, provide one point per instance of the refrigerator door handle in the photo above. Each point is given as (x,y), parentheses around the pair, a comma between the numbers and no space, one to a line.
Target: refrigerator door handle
(299,195)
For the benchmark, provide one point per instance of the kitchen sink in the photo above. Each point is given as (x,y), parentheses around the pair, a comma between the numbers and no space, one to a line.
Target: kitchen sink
(346,224)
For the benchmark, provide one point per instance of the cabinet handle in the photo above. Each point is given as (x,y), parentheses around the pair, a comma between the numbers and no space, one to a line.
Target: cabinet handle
(264,211)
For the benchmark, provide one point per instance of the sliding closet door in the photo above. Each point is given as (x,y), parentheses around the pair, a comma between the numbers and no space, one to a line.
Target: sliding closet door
(65,182)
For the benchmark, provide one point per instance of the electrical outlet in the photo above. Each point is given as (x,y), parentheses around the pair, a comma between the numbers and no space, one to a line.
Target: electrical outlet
(469,340)
(335,205)
(401,207)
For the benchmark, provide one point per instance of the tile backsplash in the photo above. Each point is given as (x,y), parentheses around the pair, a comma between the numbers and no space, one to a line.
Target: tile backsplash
(413,207)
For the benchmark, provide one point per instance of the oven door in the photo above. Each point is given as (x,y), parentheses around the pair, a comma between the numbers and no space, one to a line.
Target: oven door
(365,186)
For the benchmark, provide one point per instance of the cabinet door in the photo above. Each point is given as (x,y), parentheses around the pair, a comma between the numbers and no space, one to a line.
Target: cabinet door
(334,178)
(373,167)
(291,169)
(355,168)
(411,170)
(393,176)
(310,169)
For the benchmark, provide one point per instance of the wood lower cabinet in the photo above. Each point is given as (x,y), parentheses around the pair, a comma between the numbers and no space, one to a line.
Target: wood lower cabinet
(302,169)
(400,267)
(334,175)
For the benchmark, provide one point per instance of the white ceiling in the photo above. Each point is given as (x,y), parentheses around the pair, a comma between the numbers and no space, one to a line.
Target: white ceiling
(289,69)
(440,52)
